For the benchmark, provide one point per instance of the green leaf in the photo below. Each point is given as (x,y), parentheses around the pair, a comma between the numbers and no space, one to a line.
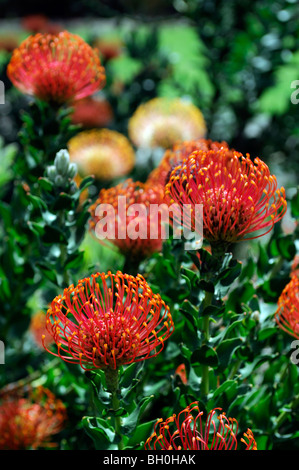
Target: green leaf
(74,260)
(286,247)
(37,202)
(295,205)
(63,202)
(45,184)
(47,272)
(86,182)
(225,351)
(102,435)
(229,387)
(204,356)
(142,432)
(267,333)
(130,422)
(230,274)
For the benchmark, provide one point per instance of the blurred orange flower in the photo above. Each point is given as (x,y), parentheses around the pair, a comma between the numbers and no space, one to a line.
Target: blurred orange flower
(162,122)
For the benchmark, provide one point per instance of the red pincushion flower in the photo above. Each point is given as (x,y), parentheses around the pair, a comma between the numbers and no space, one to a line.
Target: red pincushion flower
(28,422)
(287,313)
(139,233)
(175,156)
(187,431)
(56,67)
(238,196)
(109,320)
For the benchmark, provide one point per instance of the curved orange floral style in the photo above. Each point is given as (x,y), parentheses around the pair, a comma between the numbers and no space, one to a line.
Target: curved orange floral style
(188,431)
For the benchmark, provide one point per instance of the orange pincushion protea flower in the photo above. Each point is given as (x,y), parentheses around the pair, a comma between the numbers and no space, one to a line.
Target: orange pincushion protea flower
(177,154)
(104,153)
(186,431)
(38,328)
(161,122)
(239,197)
(287,313)
(28,422)
(123,199)
(109,320)
(56,67)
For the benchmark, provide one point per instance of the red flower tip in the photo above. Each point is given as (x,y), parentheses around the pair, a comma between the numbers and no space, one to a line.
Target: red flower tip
(239,196)
(58,68)
(287,313)
(108,320)
(189,431)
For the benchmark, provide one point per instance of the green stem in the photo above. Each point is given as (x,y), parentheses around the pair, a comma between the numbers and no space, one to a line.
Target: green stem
(206,331)
(66,279)
(112,384)
(283,416)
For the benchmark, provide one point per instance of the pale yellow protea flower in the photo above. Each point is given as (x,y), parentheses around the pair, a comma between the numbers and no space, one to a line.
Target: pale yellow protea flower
(162,122)
(104,153)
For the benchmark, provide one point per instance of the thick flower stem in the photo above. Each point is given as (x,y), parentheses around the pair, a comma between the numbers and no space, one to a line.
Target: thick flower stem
(112,384)
(206,331)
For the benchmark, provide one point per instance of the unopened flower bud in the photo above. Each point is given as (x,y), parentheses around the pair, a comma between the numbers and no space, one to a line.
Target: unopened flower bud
(72,171)
(62,161)
(59,180)
(51,172)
